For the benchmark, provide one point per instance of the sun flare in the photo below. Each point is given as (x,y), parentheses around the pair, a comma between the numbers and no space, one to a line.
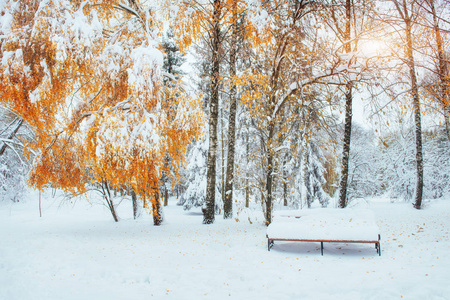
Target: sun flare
(373,47)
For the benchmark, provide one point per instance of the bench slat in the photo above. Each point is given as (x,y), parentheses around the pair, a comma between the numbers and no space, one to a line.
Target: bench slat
(326,241)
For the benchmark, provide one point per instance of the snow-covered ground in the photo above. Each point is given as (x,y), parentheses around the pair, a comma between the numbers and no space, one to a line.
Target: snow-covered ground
(76,251)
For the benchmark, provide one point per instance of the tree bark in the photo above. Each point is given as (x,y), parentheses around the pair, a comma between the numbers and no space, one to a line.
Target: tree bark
(417,113)
(209,209)
(269,181)
(156,208)
(144,203)
(107,196)
(247,174)
(269,176)
(346,147)
(343,199)
(228,203)
(223,154)
(166,196)
(135,204)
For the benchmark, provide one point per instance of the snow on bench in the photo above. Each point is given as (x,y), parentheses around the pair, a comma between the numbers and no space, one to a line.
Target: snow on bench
(324,225)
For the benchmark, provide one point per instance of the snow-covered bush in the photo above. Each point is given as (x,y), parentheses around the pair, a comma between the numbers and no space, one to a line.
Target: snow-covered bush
(12,178)
(194,194)
(313,171)
(364,172)
(397,164)
(436,166)
(195,176)
(14,166)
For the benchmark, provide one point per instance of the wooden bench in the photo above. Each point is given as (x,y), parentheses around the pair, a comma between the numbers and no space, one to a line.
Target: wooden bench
(324,226)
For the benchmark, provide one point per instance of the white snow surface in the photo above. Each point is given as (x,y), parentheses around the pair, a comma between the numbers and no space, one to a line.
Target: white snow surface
(76,251)
(325,224)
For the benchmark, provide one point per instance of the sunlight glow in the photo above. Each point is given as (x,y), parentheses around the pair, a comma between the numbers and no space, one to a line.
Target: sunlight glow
(373,47)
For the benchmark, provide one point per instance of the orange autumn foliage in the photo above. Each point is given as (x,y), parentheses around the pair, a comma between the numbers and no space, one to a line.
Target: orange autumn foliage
(192,20)
(91,89)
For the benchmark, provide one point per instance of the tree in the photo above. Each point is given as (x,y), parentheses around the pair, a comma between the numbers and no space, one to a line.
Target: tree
(407,14)
(173,58)
(279,83)
(173,87)
(346,36)
(342,16)
(228,203)
(196,20)
(116,131)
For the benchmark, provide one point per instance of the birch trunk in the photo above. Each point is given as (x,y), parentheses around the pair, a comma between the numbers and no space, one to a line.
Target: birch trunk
(405,15)
(228,203)
(208,210)
(417,114)
(269,177)
(343,199)
(135,204)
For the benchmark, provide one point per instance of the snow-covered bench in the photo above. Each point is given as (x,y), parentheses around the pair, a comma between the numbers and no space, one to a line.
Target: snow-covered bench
(324,225)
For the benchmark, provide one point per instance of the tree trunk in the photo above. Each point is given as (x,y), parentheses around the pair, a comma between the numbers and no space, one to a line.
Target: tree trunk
(209,209)
(11,136)
(156,208)
(223,155)
(269,176)
(247,174)
(144,203)
(442,71)
(404,14)
(343,199)
(418,131)
(346,147)
(417,114)
(166,196)
(107,196)
(40,205)
(269,181)
(247,195)
(135,204)
(228,204)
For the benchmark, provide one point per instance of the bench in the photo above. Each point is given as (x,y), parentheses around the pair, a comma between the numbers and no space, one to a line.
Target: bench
(324,226)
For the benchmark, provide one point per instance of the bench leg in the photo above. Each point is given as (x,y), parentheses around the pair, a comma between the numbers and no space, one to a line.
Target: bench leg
(378,245)
(321,248)
(269,244)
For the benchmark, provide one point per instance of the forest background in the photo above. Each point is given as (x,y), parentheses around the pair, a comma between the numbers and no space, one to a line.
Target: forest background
(225,104)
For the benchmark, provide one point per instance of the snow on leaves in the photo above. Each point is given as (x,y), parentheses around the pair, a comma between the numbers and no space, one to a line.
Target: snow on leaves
(87,78)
